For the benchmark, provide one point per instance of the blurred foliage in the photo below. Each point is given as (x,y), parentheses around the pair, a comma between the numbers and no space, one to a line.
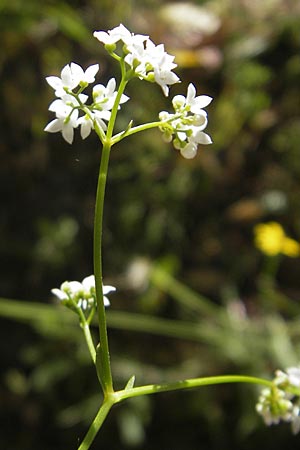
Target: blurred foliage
(166,219)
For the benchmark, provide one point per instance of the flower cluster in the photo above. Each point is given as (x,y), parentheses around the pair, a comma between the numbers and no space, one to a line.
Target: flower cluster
(271,239)
(138,57)
(185,127)
(82,295)
(68,88)
(145,59)
(281,402)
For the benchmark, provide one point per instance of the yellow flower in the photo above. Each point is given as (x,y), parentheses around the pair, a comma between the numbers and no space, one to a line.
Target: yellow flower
(271,239)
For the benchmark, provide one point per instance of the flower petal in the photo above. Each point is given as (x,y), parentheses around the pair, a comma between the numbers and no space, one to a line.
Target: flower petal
(202,138)
(91,72)
(59,294)
(107,289)
(88,282)
(54,82)
(54,126)
(68,133)
(200,102)
(189,151)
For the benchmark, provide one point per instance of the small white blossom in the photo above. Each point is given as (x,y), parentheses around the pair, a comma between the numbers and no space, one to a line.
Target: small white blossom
(189,151)
(105,96)
(293,374)
(65,122)
(83,294)
(191,102)
(273,406)
(165,78)
(71,76)
(120,33)
(87,121)
(162,65)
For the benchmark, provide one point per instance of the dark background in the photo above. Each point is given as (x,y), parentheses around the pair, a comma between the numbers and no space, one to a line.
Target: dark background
(167,220)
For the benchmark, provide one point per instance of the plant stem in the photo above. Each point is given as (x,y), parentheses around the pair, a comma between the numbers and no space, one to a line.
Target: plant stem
(134,130)
(96,424)
(104,364)
(188,384)
(98,225)
(89,340)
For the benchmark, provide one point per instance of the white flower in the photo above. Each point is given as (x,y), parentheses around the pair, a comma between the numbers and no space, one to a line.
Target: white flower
(71,76)
(119,33)
(67,100)
(189,151)
(162,65)
(86,122)
(66,120)
(165,78)
(290,378)
(157,64)
(191,102)
(81,76)
(86,125)
(294,376)
(88,284)
(83,294)
(104,96)
(273,406)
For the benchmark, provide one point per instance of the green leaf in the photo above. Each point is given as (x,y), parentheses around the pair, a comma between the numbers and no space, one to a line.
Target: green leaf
(130,383)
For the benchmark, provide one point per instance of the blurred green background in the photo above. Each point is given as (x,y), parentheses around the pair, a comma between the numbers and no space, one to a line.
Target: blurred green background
(195,297)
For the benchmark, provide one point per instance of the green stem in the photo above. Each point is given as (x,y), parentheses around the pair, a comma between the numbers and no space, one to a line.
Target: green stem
(188,384)
(89,340)
(147,126)
(86,330)
(104,362)
(105,359)
(96,424)
(114,111)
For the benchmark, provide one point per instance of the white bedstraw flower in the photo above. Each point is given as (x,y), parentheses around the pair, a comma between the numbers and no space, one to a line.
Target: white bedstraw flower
(104,96)
(165,78)
(155,64)
(71,76)
(288,379)
(192,103)
(65,122)
(83,294)
(86,122)
(162,65)
(293,374)
(273,406)
(119,33)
